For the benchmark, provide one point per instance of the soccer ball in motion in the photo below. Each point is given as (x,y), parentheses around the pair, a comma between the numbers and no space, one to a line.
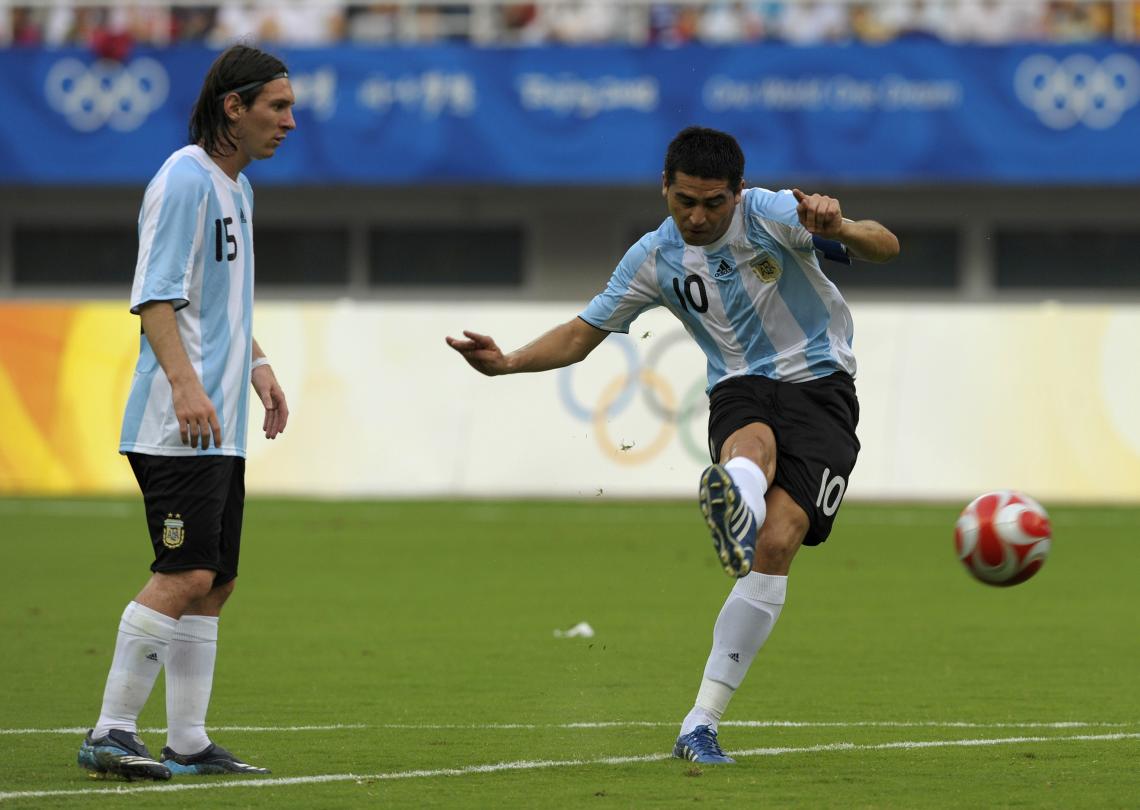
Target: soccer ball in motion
(1002,537)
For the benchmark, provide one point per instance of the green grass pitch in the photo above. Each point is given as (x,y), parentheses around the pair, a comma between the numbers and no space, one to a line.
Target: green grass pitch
(405,653)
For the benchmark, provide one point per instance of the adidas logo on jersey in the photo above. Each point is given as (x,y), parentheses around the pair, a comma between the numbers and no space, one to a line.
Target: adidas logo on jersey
(241,214)
(723,269)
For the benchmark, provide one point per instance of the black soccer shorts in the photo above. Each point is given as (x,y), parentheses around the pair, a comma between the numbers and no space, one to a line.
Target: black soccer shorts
(814,424)
(194,507)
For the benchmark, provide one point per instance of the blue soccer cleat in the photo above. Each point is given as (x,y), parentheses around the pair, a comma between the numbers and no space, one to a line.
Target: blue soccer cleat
(210,760)
(730,520)
(120,753)
(700,745)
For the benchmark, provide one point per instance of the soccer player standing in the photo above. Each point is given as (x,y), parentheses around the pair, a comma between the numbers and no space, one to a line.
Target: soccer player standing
(738,268)
(184,429)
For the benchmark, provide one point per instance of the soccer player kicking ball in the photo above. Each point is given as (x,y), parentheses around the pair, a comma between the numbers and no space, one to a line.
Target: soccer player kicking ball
(184,430)
(738,268)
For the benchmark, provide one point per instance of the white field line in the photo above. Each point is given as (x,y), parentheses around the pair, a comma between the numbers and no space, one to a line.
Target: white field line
(1062,724)
(85,729)
(533,765)
(767,724)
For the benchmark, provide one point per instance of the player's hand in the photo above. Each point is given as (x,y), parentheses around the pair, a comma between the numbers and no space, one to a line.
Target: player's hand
(820,215)
(480,352)
(197,419)
(273,398)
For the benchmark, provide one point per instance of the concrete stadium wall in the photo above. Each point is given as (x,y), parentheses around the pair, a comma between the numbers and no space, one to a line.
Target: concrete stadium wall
(574,236)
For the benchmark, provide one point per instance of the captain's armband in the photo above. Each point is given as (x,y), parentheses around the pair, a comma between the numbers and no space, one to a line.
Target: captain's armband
(831,249)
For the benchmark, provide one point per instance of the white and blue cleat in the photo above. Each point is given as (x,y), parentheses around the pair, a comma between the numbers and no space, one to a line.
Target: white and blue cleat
(210,760)
(730,520)
(119,753)
(700,745)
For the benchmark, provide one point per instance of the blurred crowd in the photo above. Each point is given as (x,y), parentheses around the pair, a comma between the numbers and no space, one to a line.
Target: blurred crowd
(114,29)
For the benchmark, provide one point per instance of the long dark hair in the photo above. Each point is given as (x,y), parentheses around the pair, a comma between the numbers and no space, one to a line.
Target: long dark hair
(706,153)
(239,69)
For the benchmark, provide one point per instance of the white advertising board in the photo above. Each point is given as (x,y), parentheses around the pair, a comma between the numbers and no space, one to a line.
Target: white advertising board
(955,400)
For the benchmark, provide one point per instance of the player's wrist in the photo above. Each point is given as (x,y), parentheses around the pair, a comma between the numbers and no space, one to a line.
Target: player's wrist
(179,378)
(258,362)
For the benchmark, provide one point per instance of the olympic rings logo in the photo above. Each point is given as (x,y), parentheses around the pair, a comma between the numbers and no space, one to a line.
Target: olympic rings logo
(106,93)
(1078,89)
(677,415)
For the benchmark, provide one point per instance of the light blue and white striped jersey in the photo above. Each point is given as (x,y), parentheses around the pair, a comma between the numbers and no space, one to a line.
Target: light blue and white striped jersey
(755,301)
(196,251)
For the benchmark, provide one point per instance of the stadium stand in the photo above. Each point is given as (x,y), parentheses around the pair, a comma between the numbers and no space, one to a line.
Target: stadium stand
(112,26)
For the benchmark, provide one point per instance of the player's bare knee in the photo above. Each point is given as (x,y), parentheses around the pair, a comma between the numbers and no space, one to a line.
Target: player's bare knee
(756,442)
(174,593)
(197,583)
(210,603)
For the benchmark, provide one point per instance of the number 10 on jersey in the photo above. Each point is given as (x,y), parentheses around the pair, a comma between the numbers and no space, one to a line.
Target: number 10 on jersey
(830,492)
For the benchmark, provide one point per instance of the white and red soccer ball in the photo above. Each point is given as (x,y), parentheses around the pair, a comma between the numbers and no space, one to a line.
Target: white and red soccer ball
(1003,537)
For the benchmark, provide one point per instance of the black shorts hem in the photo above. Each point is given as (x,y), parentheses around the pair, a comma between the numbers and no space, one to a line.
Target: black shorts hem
(220,577)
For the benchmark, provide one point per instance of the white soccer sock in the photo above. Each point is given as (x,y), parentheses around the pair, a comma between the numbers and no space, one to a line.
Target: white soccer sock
(140,649)
(189,680)
(749,613)
(750,480)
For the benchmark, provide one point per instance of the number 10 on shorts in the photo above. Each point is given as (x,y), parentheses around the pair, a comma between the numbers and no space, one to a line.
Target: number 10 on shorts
(830,492)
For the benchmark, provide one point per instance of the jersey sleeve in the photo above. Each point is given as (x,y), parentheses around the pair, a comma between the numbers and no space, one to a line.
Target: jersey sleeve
(170,233)
(247,191)
(780,207)
(632,289)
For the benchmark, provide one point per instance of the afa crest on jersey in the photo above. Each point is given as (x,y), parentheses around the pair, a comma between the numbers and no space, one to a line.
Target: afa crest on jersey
(173,531)
(766,268)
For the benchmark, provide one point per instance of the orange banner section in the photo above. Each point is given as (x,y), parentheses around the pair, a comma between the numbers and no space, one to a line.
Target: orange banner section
(65,370)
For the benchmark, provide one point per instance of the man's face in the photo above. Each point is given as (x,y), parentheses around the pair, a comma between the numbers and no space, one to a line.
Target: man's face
(260,129)
(701,208)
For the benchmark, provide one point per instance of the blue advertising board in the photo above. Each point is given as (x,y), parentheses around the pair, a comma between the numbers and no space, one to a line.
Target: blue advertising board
(902,113)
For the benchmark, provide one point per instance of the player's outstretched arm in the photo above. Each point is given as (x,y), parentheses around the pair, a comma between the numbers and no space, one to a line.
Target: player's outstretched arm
(865,239)
(563,345)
